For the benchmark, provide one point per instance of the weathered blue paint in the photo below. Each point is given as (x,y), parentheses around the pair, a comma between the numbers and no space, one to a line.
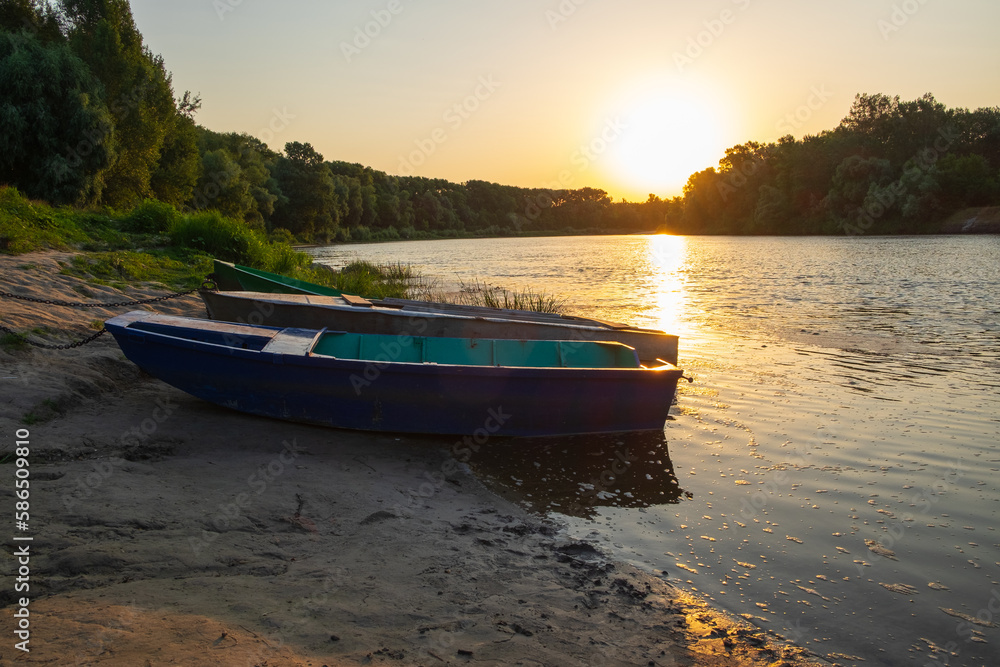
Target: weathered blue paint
(273,372)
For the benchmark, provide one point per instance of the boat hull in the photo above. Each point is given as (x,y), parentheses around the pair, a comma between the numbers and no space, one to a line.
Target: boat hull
(403,397)
(317,312)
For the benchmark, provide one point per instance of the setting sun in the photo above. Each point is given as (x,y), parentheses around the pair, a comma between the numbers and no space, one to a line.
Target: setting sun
(669,134)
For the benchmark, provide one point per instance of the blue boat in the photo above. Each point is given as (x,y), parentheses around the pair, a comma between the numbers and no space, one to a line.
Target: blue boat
(400,383)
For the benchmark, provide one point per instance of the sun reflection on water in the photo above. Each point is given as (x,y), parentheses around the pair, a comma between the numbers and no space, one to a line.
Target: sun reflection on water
(667,256)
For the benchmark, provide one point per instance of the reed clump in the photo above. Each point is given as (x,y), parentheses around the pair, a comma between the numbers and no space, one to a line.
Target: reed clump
(481,293)
(369,279)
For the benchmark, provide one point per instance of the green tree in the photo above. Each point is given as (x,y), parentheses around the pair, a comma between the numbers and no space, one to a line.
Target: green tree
(703,203)
(854,179)
(896,130)
(139,94)
(362,194)
(179,166)
(223,186)
(310,208)
(248,168)
(56,136)
(32,16)
(981,133)
(919,196)
(804,170)
(771,212)
(967,180)
(742,172)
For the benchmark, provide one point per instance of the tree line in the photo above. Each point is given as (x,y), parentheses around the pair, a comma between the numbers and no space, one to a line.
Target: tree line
(89,117)
(891,166)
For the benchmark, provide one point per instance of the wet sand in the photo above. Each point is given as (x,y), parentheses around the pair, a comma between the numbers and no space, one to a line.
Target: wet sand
(170,531)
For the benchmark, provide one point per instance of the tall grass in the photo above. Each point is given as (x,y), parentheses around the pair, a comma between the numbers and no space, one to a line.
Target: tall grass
(368,279)
(492,296)
(27,225)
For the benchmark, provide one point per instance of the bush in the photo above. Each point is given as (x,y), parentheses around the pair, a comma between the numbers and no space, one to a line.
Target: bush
(234,241)
(281,235)
(283,258)
(150,217)
(225,238)
(390,233)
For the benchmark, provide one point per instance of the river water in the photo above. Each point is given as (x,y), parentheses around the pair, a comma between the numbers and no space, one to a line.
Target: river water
(832,473)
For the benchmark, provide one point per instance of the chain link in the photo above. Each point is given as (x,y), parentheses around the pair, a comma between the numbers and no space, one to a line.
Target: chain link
(46,346)
(208,284)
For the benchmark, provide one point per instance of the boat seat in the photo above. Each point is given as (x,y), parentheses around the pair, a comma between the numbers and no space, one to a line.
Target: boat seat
(298,342)
(356,301)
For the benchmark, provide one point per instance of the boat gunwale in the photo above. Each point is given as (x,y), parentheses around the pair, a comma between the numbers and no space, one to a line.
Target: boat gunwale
(570,323)
(417,305)
(315,360)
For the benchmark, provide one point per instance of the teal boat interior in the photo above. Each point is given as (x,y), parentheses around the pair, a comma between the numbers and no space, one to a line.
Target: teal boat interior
(477,351)
(481,352)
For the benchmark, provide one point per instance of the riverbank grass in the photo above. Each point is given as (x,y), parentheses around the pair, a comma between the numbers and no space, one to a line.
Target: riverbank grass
(155,243)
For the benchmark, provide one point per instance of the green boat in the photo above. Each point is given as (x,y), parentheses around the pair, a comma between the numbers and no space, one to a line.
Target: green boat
(233,277)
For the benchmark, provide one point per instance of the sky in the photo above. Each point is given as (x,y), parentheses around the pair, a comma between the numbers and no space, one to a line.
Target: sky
(630,96)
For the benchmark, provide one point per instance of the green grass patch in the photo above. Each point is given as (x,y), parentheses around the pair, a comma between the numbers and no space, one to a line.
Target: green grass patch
(13,342)
(155,243)
(45,411)
(26,225)
(150,227)
(172,268)
(18,341)
(30,419)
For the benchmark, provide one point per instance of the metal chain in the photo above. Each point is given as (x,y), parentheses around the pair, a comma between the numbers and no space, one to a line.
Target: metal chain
(208,284)
(80,304)
(68,346)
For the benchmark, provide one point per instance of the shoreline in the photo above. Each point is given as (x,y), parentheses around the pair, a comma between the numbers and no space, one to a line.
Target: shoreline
(170,531)
(981,221)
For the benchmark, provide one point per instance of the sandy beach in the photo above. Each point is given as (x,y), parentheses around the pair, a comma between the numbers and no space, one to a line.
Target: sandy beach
(168,531)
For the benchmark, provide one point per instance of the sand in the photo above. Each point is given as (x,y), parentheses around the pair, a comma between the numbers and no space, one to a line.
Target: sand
(168,531)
